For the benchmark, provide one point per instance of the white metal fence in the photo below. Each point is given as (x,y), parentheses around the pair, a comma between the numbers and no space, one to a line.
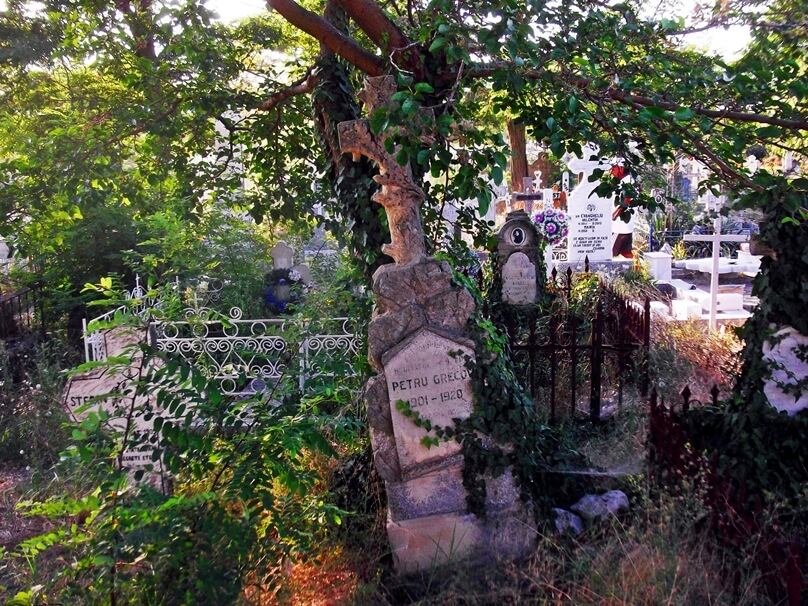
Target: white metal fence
(244,353)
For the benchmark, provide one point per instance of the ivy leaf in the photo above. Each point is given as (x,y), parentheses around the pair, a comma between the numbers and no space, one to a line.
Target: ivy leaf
(437,44)
(683,114)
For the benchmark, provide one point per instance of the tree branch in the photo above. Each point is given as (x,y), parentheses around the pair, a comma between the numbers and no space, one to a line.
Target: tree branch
(370,18)
(301,87)
(327,34)
(635,101)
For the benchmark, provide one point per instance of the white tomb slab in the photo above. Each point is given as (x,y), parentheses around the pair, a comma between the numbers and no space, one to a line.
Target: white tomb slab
(781,351)
(716,238)
(725,265)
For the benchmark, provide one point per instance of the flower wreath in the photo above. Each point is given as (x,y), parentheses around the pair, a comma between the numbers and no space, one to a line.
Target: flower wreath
(281,277)
(552,225)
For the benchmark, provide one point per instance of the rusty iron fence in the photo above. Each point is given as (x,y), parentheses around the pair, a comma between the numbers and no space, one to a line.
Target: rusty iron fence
(678,461)
(21,314)
(569,359)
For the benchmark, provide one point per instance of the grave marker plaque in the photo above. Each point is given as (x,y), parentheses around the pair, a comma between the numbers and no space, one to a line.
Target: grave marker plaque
(519,280)
(590,229)
(429,373)
(113,392)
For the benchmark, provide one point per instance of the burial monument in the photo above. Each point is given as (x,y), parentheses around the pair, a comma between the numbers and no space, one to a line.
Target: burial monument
(420,346)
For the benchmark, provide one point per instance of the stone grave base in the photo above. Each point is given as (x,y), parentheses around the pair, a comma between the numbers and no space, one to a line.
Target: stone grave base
(420,543)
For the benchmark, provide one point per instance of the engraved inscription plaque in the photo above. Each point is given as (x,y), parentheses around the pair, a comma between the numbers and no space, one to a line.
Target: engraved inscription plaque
(429,373)
(519,280)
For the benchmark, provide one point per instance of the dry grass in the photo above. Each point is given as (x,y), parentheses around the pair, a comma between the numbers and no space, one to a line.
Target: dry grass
(688,353)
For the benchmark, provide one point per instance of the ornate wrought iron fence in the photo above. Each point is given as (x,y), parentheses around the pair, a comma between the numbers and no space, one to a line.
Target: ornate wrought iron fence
(231,348)
(242,353)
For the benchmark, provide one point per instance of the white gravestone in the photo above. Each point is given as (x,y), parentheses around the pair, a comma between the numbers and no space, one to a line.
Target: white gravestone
(787,368)
(519,280)
(113,393)
(282,255)
(590,216)
(429,373)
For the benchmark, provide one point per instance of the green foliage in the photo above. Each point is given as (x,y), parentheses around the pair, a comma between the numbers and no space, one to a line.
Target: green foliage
(758,448)
(31,417)
(246,489)
(782,283)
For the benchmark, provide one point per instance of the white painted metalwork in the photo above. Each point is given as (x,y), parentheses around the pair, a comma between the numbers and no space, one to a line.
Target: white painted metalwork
(240,353)
(94,345)
(237,351)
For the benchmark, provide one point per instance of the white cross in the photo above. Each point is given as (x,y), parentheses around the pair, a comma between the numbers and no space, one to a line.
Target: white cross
(716,238)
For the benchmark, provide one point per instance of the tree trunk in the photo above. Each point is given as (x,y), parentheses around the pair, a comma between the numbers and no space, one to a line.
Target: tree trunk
(516,135)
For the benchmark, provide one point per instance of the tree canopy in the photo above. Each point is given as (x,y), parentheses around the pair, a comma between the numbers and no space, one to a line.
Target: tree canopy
(142,101)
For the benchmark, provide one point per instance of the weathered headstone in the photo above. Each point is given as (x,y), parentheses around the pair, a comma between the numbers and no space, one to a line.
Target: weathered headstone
(113,392)
(517,247)
(418,343)
(283,255)
(590,227)
(428,373)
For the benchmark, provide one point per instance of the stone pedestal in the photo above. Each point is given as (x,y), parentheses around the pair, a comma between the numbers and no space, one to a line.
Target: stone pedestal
(659,265)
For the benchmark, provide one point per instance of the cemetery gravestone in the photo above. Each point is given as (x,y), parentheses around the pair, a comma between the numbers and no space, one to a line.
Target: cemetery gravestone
(714,204)
(427,372)
(113,392)
(283,258)
(590,228)
(418,343)
(282,255)
(518,249)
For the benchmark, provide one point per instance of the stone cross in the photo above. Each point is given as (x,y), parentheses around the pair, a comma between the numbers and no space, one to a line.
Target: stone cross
(282,255)
(400,196)
(716,238)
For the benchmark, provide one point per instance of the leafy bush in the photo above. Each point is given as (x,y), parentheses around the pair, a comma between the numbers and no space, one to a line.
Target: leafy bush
(31,417)
(248,487)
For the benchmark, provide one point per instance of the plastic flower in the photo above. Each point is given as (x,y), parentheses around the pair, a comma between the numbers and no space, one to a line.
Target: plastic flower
(552,226)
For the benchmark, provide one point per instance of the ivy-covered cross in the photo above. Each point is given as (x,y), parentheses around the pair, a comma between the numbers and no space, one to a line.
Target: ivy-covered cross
(399,195)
